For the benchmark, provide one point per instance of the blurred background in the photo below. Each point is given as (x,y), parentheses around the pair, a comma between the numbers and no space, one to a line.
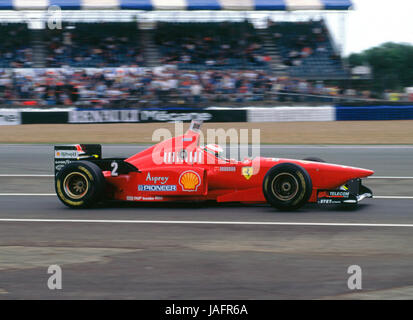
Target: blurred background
(198,54)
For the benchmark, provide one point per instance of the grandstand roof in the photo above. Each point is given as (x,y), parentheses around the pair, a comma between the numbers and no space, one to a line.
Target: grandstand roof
(147,5)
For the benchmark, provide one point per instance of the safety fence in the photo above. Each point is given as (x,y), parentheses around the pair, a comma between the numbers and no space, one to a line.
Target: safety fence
(211,114)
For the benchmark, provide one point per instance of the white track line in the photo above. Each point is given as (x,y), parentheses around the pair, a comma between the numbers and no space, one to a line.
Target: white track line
(27,175)
(393,197)
(54,194)
(259,223)
(384,177)
(27,194)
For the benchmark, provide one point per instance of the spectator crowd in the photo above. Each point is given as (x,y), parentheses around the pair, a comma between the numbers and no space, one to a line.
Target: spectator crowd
(160,86)
(206,45)
(93,45)
(15,48)
(102,64)
(306,49)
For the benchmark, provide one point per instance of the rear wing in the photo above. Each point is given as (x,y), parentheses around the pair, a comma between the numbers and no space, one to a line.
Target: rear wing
(66,154)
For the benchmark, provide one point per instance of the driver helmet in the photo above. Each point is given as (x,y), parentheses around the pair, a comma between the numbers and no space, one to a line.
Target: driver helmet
(214,149)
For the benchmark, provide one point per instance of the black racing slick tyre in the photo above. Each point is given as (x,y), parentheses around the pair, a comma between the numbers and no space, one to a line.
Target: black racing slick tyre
(80,184)
(287,186)
(314,159)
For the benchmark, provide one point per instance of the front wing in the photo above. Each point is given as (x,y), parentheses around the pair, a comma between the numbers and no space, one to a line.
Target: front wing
(351,193)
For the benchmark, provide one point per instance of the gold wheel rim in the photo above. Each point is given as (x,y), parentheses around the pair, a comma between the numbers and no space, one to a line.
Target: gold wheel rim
(76,185)
(285,186)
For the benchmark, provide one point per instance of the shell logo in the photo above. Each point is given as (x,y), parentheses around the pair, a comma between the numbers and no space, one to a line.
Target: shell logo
(189,181)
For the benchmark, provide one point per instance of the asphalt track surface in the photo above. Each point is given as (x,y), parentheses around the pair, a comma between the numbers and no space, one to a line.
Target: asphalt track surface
(134,251)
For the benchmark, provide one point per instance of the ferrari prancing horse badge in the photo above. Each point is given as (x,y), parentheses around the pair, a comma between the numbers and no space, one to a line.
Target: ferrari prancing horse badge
(247,172)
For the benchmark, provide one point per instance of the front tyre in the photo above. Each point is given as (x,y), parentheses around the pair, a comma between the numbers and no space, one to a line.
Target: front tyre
(80,184)
(287,186)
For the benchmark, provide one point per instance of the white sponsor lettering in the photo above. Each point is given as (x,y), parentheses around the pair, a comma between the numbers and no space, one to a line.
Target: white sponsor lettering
(59,167)
(329,201)
(173,116)
(140,198)
(152,188)
(155,180)
(66,154)
(325,201)
(190,157)
(97,116)
(339,193)
(227,169)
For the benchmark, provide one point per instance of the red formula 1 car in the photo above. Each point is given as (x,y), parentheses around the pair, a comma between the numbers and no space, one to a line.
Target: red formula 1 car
(178,169)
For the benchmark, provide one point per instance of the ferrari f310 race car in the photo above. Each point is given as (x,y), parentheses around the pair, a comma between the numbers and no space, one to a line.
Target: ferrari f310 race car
(179,169)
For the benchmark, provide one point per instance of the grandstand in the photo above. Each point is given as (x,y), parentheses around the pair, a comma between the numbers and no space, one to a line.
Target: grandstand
(93,45)
(308,50)
(211,45)
(243,52)
(15,47)
(303,51)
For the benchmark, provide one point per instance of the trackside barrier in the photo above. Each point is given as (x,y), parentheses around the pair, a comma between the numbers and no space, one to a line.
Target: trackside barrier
(44,117)
(285,114)
(374,113)
(159,115)
(10,117)
(212,114)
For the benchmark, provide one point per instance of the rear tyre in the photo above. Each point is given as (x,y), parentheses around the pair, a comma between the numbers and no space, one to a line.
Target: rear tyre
(80,184)
(287,186)
(314,159)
